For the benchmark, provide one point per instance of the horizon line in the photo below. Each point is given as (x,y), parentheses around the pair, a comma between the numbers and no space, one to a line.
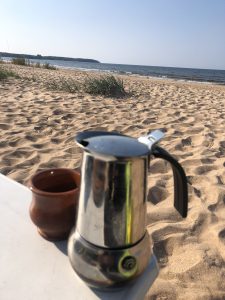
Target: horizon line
(144,65)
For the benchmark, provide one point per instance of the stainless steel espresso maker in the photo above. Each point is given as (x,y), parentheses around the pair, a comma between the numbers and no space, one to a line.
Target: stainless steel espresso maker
(110,244)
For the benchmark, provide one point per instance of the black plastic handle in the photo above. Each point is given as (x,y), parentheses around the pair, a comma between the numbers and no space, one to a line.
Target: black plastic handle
(180,181)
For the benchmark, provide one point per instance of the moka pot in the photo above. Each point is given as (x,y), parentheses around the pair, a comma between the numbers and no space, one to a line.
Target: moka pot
(110,245)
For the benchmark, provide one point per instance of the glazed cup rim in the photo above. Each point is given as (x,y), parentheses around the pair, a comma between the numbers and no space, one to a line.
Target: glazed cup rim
(38,191)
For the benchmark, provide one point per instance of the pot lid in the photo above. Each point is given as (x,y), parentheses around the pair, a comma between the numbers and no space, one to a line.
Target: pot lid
(111,144)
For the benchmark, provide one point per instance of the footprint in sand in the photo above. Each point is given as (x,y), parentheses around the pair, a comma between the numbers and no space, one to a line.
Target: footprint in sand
(4,126)
(204,169)
(197,192)
(6,170)
(181,119)
(68,116)
(73,150)
(3,144)
(159,167)
(17,142)
(31,138)
(220,179)
(208,143)
(159,250)
(221,152)
(191,141)
(198,227)
(56,140)
(207,161)
(52,164)
(195,130)
(22,153)
(40,146)
(161,183)
(9,159)
(148,121)
(29,162)
(157,194)
(167,230)
(212,258)
(177,133)
(190,179)
(210,135)
(221,236)
(179,147)
(167,215)
(220,204)
(190,162)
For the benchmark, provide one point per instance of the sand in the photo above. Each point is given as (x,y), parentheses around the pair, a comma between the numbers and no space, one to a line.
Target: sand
(37,129)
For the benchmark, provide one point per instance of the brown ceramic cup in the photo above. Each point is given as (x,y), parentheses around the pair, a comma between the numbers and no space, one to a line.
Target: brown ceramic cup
(54,203)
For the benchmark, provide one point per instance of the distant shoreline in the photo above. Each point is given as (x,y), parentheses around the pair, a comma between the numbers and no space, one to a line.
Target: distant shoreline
(39,57)
(180,74)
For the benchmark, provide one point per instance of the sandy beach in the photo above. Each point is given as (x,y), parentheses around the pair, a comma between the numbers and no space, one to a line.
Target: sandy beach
(37,129)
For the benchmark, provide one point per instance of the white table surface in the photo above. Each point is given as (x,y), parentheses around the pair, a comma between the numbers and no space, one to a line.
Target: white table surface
(36,269)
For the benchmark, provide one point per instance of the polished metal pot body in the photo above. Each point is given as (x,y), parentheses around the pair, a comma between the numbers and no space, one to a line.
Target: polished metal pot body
(107,267)
(112,203)
(110,244)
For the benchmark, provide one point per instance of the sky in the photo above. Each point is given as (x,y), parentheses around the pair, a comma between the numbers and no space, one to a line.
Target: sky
(175,33)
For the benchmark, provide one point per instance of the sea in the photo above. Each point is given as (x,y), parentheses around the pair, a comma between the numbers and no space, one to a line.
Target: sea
(183,74)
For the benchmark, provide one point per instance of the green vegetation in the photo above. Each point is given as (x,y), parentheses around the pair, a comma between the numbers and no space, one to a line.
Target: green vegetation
(4,74)
(106,86)
(62,84)
(25,62)
(37,65)
(21,61)
(48,66)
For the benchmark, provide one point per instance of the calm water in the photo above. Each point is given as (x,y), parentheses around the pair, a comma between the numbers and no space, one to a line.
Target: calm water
(204,75)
